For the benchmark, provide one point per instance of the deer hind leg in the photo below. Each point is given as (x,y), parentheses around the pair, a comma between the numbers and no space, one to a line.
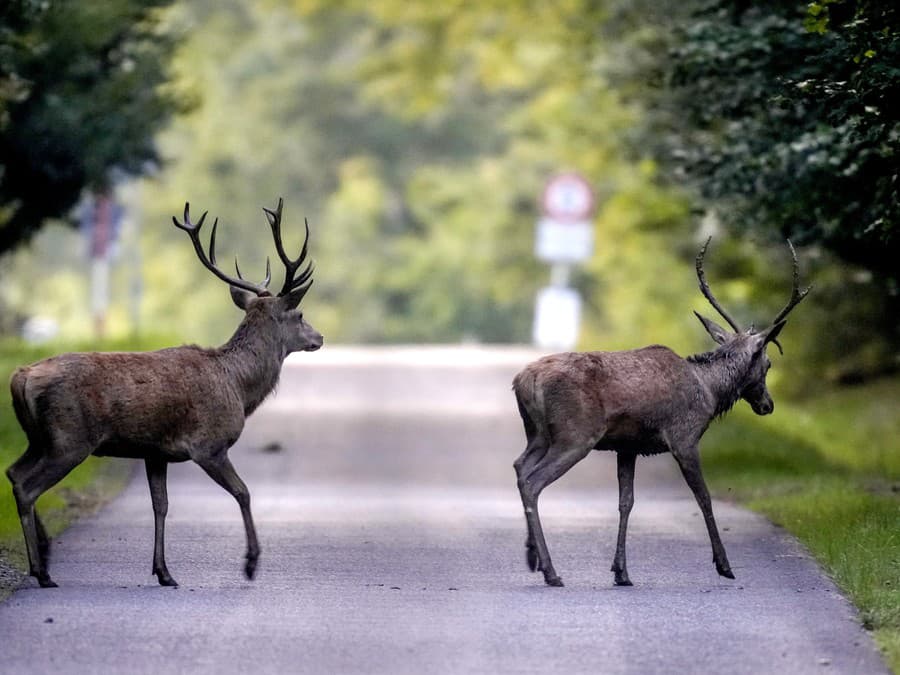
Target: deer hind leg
(19,469)
(156,477)
(556,461)
(534,453)
(625,470)
(220,469)
(40,476)
(689,462)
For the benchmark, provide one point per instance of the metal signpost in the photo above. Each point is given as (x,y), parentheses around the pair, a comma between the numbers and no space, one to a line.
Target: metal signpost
(565,236)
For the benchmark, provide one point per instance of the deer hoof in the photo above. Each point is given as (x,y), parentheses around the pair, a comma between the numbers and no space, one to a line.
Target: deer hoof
(250,568)
(554,581)
(47,582)
(622,580)
(531,557)
(725,571)
(166,580)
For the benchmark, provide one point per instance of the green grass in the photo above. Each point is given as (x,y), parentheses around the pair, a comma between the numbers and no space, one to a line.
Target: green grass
(828,470)
(87,486)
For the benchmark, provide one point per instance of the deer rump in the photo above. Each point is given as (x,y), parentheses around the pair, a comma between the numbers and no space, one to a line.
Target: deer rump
(165,404)
(614,401)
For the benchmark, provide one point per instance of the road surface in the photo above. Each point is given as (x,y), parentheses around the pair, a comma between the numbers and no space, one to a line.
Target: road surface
(392,539)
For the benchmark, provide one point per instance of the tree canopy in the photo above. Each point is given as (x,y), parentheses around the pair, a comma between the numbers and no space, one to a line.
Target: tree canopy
(81,94)
(784,115)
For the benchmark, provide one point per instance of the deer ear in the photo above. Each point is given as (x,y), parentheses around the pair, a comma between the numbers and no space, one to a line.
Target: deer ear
(241,297)
(292,299)
(716,332)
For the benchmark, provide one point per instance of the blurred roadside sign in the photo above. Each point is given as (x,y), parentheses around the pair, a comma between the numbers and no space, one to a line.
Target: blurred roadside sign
(563,242)
(568,198)
(565,234)
(101,220)
(556,318)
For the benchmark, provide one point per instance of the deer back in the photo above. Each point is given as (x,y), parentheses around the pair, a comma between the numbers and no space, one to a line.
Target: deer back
(170,400)
(630,398)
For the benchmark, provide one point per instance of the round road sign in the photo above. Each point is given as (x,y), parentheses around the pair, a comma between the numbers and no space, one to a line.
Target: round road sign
(568,198)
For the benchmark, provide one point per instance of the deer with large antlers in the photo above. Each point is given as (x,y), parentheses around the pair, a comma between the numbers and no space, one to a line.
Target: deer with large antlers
(173,405)
(640,402)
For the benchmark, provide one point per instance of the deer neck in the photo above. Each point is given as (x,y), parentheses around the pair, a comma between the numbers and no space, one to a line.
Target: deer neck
(722,372)
(252,359)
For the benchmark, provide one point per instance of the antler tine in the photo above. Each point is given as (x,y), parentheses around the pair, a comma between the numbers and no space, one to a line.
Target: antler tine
(797,293)
(291,266)
(210,262)
(704,288)
(265,282)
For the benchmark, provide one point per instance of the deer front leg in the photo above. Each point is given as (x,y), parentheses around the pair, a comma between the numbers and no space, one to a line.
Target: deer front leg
(689,462)
(220,469)
(156,477)
(551,466)
(625,470)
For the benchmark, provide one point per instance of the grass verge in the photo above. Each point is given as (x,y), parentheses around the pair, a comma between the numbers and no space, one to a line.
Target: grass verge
(828,470)
(81,492)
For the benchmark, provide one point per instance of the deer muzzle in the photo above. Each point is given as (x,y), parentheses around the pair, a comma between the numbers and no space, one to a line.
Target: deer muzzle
(764,406)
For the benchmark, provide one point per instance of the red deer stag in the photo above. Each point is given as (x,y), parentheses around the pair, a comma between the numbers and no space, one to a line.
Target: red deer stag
(643,401)
(165,406)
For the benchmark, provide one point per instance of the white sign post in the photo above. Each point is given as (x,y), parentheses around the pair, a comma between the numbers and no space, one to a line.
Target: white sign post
(564,236)
(557,316)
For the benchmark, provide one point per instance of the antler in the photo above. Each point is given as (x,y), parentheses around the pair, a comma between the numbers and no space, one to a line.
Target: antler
(210,262)
(290,266)
(797,293)
(704,288)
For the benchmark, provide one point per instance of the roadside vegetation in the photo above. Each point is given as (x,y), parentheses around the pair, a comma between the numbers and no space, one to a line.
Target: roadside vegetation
(827,469)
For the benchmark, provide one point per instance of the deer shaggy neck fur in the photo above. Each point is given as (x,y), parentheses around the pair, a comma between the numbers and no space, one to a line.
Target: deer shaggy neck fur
(253,356)
(725,371)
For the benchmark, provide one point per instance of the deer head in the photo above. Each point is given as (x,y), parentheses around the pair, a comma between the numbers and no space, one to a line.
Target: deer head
(279,312)
(749,346)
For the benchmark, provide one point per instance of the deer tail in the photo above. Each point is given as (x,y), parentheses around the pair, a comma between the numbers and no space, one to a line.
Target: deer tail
(20,403)
(530,398)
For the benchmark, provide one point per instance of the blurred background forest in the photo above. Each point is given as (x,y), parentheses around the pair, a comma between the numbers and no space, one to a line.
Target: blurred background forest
(416,138)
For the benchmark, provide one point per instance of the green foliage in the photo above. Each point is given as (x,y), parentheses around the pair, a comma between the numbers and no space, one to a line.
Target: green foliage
(784,113)
(779,116)
(81,93)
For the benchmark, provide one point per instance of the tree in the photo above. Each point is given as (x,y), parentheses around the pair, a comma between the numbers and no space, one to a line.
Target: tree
(783,114)
(82,93)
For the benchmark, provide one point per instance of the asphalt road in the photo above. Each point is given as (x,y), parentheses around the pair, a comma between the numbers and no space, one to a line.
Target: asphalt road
(392,539)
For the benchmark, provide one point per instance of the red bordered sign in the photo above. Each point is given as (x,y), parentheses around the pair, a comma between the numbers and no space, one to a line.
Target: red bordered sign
(568,198)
